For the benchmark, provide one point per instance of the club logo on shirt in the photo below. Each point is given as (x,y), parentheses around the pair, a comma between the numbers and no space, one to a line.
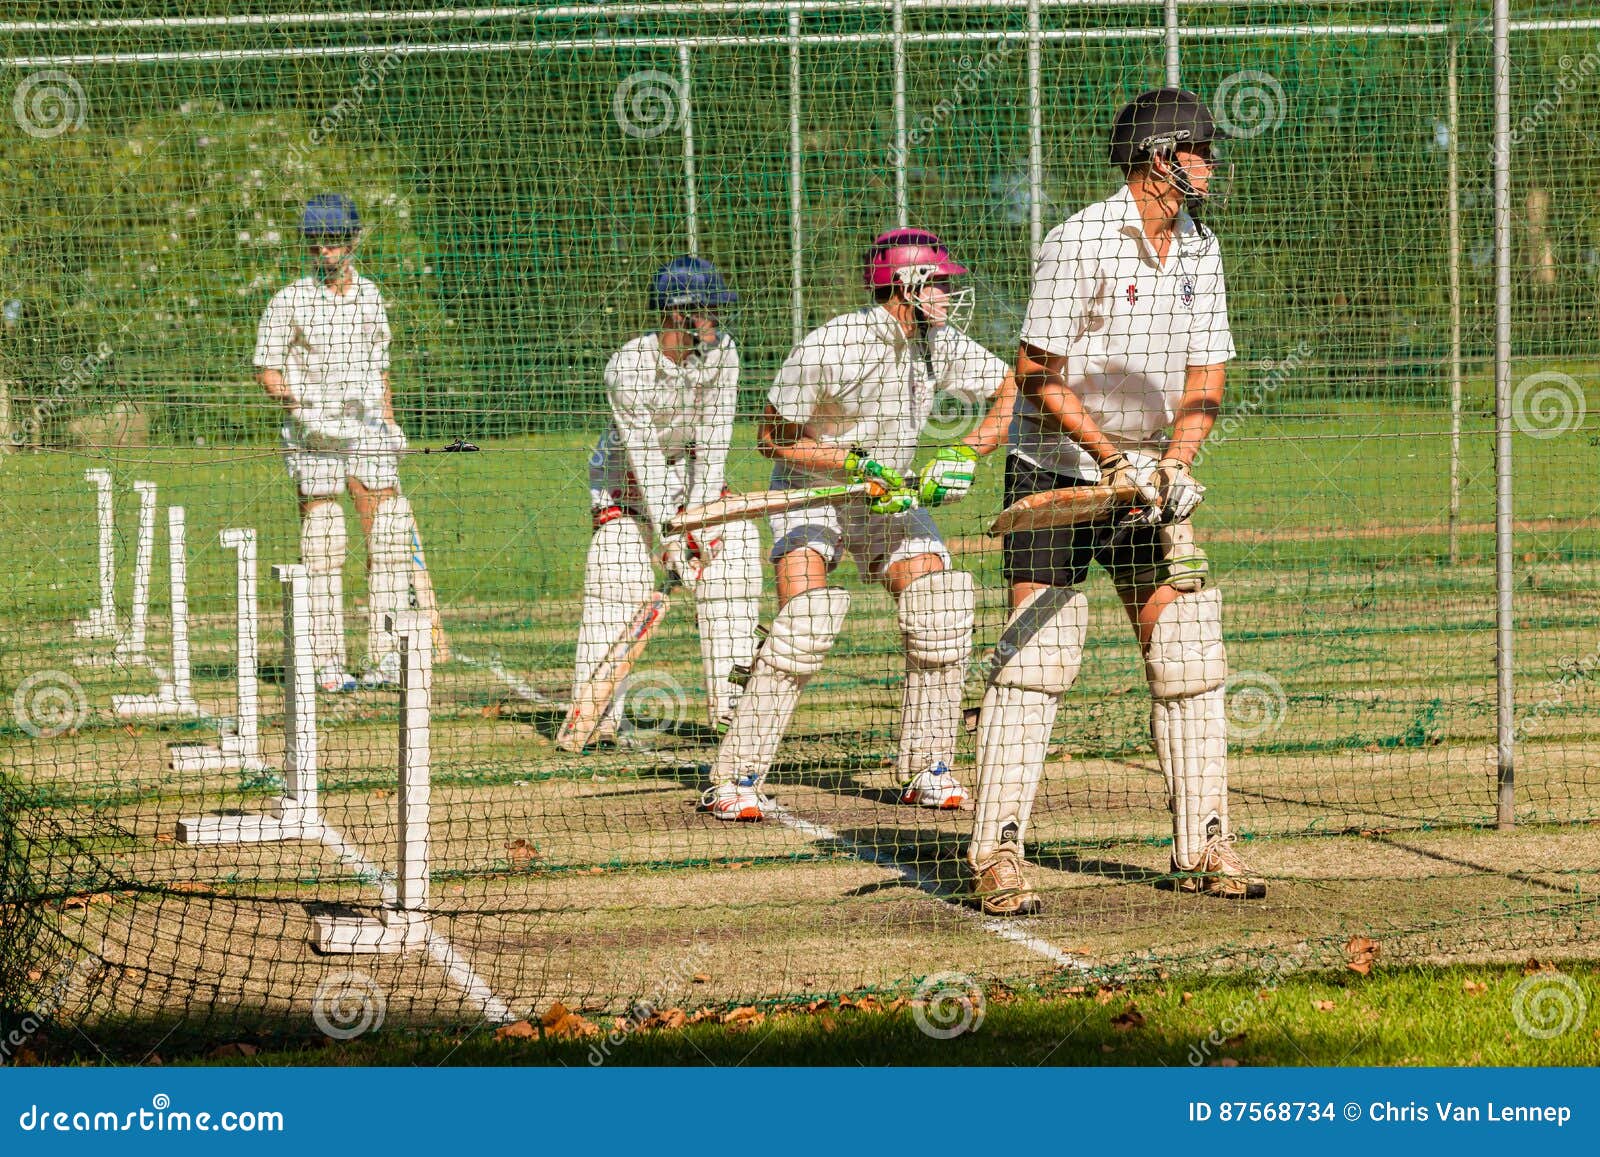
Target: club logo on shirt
(1133,294)
(1186,292)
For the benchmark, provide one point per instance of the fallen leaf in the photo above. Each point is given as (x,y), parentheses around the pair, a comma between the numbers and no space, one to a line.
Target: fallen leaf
(1534,965)
(83,900)
(818,1005)
(233,1049)
(1234,1040)
(558,1021)
(670,1018)
(520,1030)
(896,1004)
(702,1016)
(827,1022)
(1186,998)
(1129,1019)
(744,1016)
(1363,953)
(35,976)
(491,710)
(1323,1005)
(1225,1063)
(1108,1048)
(1105,996)
(165,837)
(522,854)
(25,1056)
(154,1061)
(1474,987)
(701,978)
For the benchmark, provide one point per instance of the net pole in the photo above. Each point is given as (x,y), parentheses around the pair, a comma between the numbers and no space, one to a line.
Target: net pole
(1035,128)
(1504,683)
(902,206)
(691,210)
(1174,69)
(1454,166)
(797,307)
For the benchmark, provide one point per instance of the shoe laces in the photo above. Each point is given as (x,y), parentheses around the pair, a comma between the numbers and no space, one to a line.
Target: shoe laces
(1006,872)
(1222,852)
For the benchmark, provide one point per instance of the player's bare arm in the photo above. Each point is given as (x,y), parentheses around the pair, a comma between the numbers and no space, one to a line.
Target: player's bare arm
(784,441)
(1197,412)
(991,432)
(1042,378)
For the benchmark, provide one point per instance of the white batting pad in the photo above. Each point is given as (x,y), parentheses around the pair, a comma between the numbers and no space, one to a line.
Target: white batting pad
(1186,655)
(801,636)
(727,608)
(617,578)
(936,614)
(1034,664)
(322,550)
(388,574)
(1191,738)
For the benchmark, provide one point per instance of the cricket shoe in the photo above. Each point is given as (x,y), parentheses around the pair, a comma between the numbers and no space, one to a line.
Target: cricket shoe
(934,788)
(733,802)
(1001,887)
(1220,872)
(333,679)
(385,673)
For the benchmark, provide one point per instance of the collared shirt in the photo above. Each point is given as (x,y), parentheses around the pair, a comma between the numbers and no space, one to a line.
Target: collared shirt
(1128,325)
(859,380)
(332,348)
(671,421)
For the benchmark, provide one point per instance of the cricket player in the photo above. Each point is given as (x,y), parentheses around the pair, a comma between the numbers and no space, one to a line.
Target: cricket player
(851,401)
(673,394)
(322,350)
(1124,350)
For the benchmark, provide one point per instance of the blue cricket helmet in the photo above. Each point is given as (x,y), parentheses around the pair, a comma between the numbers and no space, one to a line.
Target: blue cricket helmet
(689,281)
(330,215)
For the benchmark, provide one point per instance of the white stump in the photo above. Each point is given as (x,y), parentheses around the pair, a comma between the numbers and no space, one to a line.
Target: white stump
(175,699)
(241,749)
(402,924)
(295,814)
(101,621)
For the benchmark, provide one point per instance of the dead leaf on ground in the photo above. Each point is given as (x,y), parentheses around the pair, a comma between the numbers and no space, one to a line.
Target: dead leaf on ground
(522,854)
(701,978)
(1105,996)
(1363,952)
(520,1030)
(84,899)
(1186,998)
(1323,1005)
(1474,987)
(1536,965)
(1129,1019)
(702,1016)
(559,1021)
(746,1016)
(233,1049)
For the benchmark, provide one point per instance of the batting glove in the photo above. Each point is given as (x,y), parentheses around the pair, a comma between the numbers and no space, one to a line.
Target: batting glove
(859,468)
(948,478)
(899,501)
(1137,472)
(1180,493)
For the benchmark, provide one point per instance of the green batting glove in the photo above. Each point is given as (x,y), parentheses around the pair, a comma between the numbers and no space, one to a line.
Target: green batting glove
(859,468)
(896,501)
(949,477)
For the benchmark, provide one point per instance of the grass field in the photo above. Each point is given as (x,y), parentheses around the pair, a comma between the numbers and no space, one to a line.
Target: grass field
(1363,768)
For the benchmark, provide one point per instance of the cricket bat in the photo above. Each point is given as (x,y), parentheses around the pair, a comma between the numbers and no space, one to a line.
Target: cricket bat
(1069,506)
(427,601)
(761,503)
(592,700)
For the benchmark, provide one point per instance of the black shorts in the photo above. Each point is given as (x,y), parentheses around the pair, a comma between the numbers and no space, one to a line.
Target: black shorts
(1060,557)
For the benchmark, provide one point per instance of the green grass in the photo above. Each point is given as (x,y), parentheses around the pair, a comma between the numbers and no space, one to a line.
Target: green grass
(1414,1016)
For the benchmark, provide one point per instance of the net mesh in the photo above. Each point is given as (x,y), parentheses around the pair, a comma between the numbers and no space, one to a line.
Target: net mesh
(520,176)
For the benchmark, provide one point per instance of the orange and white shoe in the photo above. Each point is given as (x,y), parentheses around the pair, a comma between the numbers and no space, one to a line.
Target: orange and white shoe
(934,788)
(733,802)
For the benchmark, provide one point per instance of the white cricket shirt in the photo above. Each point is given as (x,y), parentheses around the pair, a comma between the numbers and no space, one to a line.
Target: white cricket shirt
(858,380)
(332,349)
(669,419)
(1128,326)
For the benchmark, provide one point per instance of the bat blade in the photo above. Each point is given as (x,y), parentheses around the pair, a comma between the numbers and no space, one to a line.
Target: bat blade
(427,601)
(761,503)
(1070,506)
(592,700)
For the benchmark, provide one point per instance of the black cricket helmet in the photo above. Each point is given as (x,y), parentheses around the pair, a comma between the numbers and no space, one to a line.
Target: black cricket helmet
(1157,122)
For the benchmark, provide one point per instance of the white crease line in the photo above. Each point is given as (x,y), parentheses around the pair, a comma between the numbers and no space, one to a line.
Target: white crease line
(455,965)
(996,927)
